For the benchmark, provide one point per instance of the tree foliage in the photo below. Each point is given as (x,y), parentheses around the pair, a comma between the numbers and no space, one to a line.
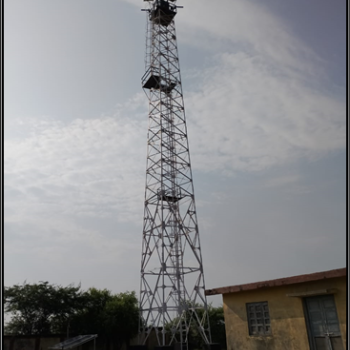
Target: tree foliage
(48,309)
(217,327)
(43,309)
(35,308)
(111,316)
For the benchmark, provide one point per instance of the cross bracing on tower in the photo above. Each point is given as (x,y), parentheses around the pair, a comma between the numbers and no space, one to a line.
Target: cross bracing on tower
(172,289)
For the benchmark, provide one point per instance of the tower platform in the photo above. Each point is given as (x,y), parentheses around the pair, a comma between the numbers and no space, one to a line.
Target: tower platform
(162,12)
(152,80)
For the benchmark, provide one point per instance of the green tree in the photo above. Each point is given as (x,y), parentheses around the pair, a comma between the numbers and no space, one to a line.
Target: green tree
(90,319)
(122,315)
(47,309)
(113,317)
(217,327)
(36,308)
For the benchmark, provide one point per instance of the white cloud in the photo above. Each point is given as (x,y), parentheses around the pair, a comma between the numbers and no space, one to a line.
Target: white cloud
(62,176)
(248,117)
(282,181)
(244,116)
(261,101)
(263,98)
(84,168)
(243,25)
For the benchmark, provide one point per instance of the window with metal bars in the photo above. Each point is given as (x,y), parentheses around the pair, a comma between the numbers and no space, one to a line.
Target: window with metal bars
(258,316)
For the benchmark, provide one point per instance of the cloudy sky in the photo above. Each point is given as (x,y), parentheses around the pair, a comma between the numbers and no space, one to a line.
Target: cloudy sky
(264,88)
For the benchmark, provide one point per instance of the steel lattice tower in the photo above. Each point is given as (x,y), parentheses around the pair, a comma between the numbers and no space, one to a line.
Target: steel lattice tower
(172,292)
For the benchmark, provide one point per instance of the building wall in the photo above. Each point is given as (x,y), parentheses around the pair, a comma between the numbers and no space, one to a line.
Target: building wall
(287,315)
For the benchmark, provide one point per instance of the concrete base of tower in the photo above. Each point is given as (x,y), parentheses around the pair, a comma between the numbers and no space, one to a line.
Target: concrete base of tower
(212,346)
(138,347)
(164,347)
(181,346)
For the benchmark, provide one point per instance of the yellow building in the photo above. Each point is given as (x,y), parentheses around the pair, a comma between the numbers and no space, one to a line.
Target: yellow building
(294,313)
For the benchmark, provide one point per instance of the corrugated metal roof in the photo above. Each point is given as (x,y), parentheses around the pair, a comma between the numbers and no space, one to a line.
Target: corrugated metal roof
(73,342)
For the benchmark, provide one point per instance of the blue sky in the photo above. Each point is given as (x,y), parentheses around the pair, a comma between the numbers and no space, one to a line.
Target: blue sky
(264,89)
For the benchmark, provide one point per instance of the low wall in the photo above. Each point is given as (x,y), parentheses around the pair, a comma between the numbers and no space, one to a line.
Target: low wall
(30,342)
(36,342)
